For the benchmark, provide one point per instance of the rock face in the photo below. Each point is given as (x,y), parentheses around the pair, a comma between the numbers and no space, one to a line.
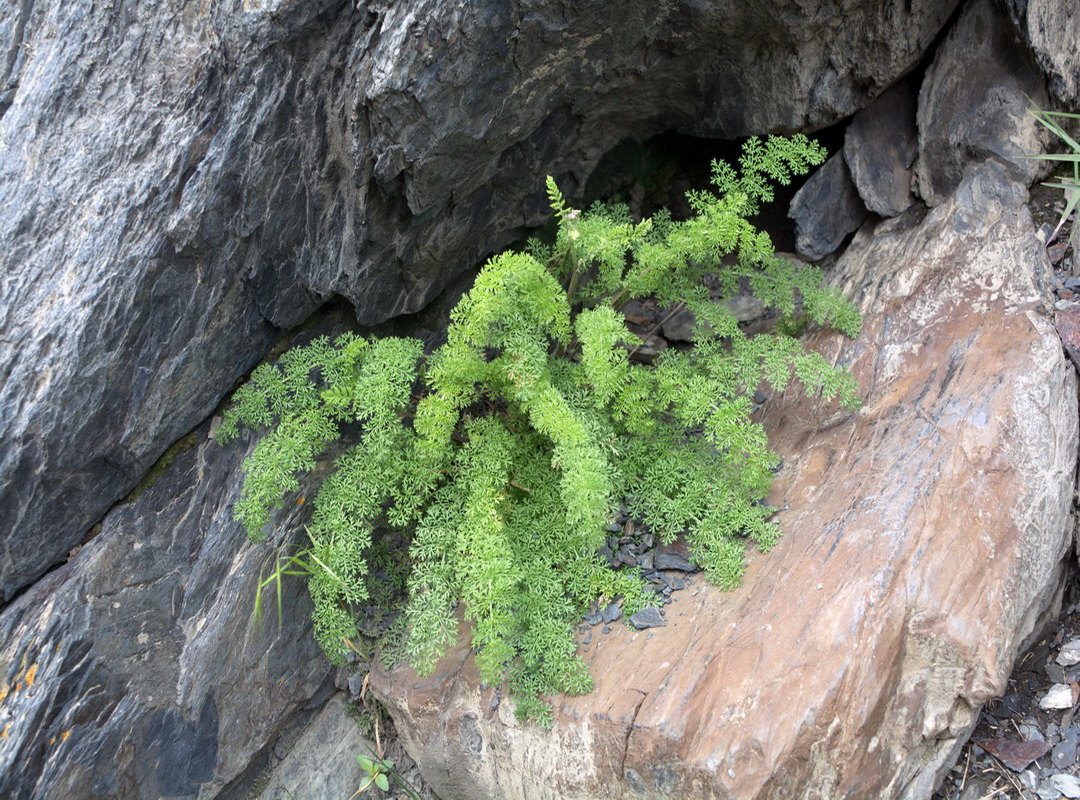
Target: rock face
(974,102)
(924,538)
(879,148)
(1051,29)
(180,181)
(323,761)
(826,210)
(131,671)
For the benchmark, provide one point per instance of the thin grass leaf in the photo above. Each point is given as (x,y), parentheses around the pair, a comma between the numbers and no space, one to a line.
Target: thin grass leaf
(277,589)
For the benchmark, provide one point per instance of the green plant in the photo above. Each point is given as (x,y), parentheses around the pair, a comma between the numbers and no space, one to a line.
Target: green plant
(378,772)
(1070,185)
(507,449)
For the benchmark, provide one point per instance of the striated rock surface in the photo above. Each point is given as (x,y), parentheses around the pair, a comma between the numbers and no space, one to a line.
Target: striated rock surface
(180,180)
(322,762)
(132,672)
(826,210)
(974,104)
(1051,29)
(924,539)
(880,147)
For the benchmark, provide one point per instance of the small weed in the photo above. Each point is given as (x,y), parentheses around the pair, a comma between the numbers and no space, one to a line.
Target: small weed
(1070,185)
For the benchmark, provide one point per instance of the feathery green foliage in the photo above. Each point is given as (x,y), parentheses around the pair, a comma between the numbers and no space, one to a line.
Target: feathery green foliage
(507,450)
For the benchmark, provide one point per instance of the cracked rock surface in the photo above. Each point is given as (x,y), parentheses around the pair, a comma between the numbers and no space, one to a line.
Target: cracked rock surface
(179,182)
(908,614)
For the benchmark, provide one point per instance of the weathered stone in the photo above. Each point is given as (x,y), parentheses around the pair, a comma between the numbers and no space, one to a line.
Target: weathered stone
(1064,754)
(133,670)
(973,104)
(648,617)
(1015,755)
(1069,653)
(826,210)
(1051,29)
(1068,785)
(1067,320)
(879,149)
(680,326)
(179,181)
(827,60)
(923,543)
(322,762)
(1059,696)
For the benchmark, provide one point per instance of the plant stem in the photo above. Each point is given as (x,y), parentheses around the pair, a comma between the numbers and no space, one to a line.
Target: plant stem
(678,307)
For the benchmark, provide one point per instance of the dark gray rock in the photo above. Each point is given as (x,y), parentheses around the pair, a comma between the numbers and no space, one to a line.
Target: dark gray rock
(1064,752)
(648,617)
(664,560)
(679,327)
(178,184)
(133,670)
(826,210)
(973,105)
(322,762)
(611,612)
(880,147)
(1051,30)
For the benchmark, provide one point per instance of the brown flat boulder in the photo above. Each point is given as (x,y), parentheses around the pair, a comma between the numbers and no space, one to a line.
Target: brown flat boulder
(923,542)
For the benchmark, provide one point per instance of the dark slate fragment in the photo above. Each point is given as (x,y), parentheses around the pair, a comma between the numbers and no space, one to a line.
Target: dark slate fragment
(880,147)
(1005,708)
(648,617)
(973,104)
(674,561)
(611,612)
(606,553)
(1017,756)
(826,209)
(1065,751)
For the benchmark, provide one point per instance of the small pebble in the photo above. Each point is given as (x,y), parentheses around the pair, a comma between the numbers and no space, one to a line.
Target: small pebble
(1059,696)
(1055,672)
(648,617)
(1030,731)
(1029,780)
(1006,707)
(1068,785)
(674,561)
(1069,653)
(610,613)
